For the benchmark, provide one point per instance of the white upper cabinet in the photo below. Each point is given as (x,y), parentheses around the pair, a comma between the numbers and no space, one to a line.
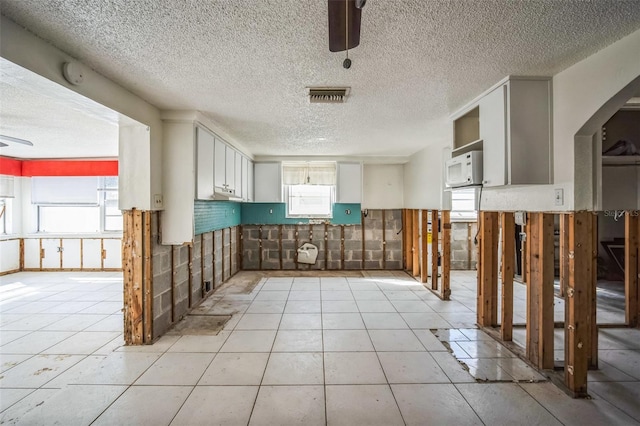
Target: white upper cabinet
(349,188)
(204,164)
(514,129)
(250,182)
(230,172)
(268,182)
(220,164)
(493,132)
(245,178)
(238,176)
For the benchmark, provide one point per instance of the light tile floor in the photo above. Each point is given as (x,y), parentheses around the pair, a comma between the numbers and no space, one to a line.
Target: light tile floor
(303,350)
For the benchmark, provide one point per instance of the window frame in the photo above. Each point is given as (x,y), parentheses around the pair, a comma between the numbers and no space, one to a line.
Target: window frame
(287,196)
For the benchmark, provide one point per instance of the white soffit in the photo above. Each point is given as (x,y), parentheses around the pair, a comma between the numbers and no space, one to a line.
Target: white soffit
(246,63)
(59,122)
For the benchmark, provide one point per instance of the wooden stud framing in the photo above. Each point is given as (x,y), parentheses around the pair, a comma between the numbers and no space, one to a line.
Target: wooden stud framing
(21,254)
(632,227)
(445,287)
(103,253)
(593,343)
(469,246)
(213,259)
(564,253)
(326,248)
(540,322)
(408,243)
(42,253)
(341,246)
(488,269)
(203,290)
(577,309)
(507,225)
(362,217)
(147,289)
(133,259)
(241,248)
(415,245)
(295,249)
(173,285)
(435,249)
(384,242)
(60,251)
(424,249)
(280,244)
(190,265)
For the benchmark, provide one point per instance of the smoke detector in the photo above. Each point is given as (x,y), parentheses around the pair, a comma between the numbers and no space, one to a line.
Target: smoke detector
(328,95)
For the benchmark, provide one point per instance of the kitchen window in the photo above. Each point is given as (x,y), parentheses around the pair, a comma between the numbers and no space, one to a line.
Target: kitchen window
(309,188)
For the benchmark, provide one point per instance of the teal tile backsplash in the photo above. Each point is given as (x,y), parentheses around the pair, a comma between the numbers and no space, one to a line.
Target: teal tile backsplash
(213,215)
(275,214)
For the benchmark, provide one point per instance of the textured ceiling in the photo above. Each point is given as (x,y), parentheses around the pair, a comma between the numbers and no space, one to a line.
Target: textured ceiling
(58,121)
(246,63)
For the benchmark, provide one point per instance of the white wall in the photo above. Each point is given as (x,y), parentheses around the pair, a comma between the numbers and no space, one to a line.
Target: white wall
(27,50)
(383,186)
(423,178)
(579,92)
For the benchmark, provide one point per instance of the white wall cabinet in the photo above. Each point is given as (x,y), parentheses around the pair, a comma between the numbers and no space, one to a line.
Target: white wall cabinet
(205,146)
(230,168)
(349,185)
(515,132)
(220,164)
(250,181)
(268,182)
(238,175)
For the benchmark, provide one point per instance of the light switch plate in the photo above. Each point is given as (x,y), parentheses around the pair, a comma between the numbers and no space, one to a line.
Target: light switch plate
(559,197)
(157,201)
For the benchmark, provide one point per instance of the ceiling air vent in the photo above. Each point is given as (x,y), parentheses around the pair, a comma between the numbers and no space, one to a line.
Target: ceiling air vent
(328,95)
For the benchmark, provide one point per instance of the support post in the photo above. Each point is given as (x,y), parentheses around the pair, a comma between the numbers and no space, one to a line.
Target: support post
(408,248)
(540,322)
(631,268)
(488,269)
(424,269)
(132,262)
(564,253)
(593,344)
(507,224)
(416,242)
(445,291)
(577,309)
(434,249)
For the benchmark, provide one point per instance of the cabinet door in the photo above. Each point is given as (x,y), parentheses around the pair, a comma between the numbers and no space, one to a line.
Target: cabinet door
(493,132)
(349,188)
(268,182)
(220,164)
(245,179)
(52,253)
(205,143)
(250,195)
(71,253)
(113,253)
(230,175)
(91,254)
(32,253)
(238,178)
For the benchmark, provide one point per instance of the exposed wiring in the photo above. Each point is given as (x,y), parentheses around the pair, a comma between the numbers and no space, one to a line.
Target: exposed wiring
(475,239)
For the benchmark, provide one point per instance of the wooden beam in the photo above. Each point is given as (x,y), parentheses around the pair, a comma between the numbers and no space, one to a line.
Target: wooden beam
(577,309)
(445,292)
(408,242)
(507,224)
(593,344)
(424,252)
(173,284)
(540,247)
(133,277)
(341,247)
(326,248)
(564,253)
(488,270)
(631,240)
(415,244)
(362,218)
(147,289)
(190,267)
(435,237)
(384,241)
(241,248)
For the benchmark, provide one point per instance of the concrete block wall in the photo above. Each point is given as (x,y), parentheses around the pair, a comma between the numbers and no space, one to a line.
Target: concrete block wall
(272,247)
(192,265)
(461,257)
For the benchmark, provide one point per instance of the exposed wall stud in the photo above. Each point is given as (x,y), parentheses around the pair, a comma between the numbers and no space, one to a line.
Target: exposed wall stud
(435,250)
(445,291)
(424,247)
(415,245)
(507,224)
(488,269)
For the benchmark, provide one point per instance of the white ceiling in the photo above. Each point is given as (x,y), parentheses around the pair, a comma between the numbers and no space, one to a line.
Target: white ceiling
(246,63)
(59,122)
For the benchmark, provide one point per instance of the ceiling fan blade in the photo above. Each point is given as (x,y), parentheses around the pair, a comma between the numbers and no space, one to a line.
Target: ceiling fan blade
(338,24)
(11,139)
(3,144)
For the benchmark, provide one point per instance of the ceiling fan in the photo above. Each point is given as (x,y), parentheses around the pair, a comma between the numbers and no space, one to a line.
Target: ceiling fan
(5,140)
(344,26)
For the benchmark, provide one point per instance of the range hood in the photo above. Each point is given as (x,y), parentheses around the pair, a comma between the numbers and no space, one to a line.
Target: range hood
(225,194)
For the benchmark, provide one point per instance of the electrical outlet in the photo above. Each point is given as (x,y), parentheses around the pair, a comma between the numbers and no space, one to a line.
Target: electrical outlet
(157,201)
(559,197)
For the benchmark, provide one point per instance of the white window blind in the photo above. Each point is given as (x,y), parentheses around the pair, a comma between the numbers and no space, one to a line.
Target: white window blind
(6,187)
(64,190)
(309,173)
